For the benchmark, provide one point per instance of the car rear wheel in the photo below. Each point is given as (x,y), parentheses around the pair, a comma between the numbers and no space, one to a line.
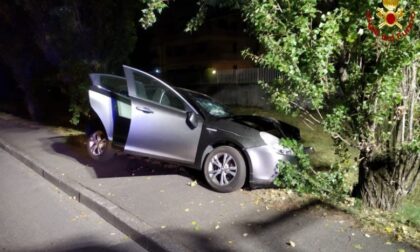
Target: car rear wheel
(225,169)
(98,146)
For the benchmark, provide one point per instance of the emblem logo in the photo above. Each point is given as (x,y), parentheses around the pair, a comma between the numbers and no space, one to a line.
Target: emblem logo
(390,16)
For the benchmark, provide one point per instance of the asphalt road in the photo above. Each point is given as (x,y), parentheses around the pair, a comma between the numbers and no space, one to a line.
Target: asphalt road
(36,216)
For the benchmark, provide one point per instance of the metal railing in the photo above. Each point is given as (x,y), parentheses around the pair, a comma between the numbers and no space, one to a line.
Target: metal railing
(245,75)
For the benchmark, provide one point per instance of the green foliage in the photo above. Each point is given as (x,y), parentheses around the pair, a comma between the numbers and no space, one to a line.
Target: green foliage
(149,13)
(301,177)
(303,52)
(328,59)
(198,20)
(75,73)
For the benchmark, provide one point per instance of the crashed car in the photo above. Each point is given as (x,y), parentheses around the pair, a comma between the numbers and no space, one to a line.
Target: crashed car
(144,116)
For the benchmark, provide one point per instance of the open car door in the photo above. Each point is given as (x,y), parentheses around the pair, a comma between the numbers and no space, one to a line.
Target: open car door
(159,126)
(108,97)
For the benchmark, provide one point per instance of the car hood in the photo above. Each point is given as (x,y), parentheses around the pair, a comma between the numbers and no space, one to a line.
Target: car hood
(278,128)
(248,126)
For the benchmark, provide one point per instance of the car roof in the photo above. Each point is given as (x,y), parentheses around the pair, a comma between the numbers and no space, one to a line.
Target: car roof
(189,91)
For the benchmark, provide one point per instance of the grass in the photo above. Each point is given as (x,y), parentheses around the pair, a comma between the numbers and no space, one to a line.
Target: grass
(409,211)
(403,224)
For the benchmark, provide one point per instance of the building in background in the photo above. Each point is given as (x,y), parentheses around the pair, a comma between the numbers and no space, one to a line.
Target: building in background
(216,46)
(189,59)
(208,60)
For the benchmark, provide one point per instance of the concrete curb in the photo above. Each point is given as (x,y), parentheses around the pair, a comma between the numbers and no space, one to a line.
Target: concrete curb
(132,226)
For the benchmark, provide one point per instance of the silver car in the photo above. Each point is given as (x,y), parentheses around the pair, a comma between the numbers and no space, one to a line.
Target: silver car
(142,115)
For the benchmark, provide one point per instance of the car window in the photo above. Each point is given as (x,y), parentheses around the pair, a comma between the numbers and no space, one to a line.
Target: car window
(152,90)
(114,83)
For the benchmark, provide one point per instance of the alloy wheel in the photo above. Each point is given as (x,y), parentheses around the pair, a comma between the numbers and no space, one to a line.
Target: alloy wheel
(222,169)
(97,143)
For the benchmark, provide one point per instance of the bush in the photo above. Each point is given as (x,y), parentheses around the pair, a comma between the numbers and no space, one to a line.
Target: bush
(302,178)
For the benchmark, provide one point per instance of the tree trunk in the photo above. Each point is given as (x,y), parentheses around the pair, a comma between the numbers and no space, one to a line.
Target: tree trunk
(385,178)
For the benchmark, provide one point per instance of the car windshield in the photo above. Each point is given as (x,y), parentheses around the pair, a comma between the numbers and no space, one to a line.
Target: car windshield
(211,106)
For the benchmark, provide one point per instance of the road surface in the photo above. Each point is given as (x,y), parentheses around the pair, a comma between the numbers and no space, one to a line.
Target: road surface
(36,216)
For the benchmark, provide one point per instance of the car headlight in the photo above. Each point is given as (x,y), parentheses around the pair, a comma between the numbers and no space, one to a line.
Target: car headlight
(274,142)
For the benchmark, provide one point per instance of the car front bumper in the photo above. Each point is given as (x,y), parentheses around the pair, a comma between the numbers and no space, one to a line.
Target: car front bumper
(263,162)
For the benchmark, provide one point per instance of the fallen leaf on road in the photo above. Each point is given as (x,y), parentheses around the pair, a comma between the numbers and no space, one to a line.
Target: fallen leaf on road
(217,227)
(388,243)
(192,183)
(195,225)
(291,244)
(358,246)
(367,235)
(389,230)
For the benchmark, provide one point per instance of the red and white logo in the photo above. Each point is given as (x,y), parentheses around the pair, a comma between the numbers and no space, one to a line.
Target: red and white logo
(390,16)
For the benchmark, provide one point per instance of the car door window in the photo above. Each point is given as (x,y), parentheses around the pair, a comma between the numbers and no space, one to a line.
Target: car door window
(146,87)
(114,83)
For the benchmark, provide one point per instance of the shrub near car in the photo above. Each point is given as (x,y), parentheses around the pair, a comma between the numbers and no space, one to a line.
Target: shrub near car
(142,115)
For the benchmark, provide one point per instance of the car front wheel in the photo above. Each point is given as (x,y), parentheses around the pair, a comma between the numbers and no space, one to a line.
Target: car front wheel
(225,169)
(98,146)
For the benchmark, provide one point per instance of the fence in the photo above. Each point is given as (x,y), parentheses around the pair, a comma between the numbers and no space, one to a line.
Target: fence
(245,75)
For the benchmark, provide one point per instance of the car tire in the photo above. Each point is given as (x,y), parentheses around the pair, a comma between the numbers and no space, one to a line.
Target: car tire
(98,146)
(225,169)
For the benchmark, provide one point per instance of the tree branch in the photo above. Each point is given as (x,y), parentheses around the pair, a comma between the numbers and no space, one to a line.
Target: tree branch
(305,111)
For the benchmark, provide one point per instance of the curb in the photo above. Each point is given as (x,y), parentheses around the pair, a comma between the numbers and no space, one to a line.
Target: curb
(138,230)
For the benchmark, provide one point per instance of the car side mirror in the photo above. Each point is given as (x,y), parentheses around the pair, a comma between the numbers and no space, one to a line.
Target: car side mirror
(192,120)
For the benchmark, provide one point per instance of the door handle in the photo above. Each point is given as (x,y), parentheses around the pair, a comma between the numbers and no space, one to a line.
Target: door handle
(145,110)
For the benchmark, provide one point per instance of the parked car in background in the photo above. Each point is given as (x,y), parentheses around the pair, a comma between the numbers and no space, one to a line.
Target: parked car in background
(144,116)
